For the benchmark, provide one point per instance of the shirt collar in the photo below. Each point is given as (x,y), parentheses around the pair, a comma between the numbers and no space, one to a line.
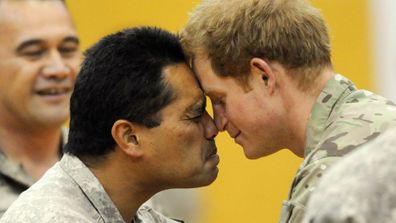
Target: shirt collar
(16,172)
(336,89)
(91,187)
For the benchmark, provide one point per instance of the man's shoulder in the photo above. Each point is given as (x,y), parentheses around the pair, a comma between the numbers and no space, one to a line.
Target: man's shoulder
(9,192)
(367,102)
(54,196)
(341,193)
(51,211)
(358,120)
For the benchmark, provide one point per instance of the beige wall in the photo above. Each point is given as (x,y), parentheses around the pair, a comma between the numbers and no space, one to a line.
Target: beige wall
(383,32)
(246,190)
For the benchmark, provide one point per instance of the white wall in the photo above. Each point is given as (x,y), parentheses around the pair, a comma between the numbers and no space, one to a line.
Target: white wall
(384,46)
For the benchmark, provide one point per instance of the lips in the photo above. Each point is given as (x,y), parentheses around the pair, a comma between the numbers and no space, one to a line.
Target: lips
(212,152)
(53,91)
(235,135)
(212,157)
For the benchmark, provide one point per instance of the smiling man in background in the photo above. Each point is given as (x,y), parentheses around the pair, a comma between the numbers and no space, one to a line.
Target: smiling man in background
(39,60)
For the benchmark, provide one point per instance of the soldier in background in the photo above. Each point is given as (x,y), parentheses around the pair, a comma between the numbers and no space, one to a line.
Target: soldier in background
(266,66)
(366,186)
(39,61)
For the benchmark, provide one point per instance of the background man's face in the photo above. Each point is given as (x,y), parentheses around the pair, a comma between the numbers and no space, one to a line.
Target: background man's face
(182,149)
(39,60)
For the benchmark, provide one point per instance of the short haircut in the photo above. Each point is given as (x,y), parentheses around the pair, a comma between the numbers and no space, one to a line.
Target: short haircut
(232,32)
(121,78)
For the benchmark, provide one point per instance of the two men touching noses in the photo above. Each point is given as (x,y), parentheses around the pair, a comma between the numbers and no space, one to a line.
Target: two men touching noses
(138,121)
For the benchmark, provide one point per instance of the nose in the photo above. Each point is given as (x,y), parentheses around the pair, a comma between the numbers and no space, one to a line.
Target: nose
(56,67)
(210,129)
(219,116)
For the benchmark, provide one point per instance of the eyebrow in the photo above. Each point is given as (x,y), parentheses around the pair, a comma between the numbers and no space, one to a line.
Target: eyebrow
(32,42)
(214,94)
(28,43)
(72,39)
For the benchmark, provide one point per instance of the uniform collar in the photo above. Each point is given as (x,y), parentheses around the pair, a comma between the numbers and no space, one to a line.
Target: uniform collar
(16,172)
(336,89)
(91,187)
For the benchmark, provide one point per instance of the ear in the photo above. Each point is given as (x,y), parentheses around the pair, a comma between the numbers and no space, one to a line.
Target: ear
(262,72)
(125,134)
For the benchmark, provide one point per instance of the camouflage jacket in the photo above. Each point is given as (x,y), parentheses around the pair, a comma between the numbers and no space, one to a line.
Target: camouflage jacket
(14,179)
(69,192)
(342,119)
(365,191)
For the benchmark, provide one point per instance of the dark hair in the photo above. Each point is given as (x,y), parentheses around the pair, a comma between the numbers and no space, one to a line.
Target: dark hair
(121,78)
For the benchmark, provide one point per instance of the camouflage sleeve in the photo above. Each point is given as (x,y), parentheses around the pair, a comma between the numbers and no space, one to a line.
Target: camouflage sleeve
(360,188)
(293,210)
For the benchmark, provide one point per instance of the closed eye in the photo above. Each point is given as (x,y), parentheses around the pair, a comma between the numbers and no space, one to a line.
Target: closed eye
(33,54)
(196,119)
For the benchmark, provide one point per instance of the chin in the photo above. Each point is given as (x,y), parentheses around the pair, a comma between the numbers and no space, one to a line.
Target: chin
(253,154)
(53,113)
(212,178)
(205,180)
(252,157)
(53,121)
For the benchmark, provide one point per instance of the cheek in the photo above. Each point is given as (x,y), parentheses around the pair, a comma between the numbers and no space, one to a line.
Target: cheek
(25,71)
(75,65)
(189,135)
(190,143)
(22,80)
(242,110)
(75,69)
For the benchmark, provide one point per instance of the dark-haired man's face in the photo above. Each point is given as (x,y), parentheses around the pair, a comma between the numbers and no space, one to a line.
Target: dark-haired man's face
(182,148)
(39,60)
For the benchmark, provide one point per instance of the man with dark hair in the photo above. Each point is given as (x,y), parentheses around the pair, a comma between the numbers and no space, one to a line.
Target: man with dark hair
(138,126)
(39,61)
(266,66)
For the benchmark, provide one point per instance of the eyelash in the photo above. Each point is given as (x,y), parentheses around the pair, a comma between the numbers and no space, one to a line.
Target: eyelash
(218,101)
(65,51)
(34,54)
(196,119)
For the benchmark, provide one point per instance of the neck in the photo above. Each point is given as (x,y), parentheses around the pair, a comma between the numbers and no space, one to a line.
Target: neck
(122,185)
(298,118)
(37,150)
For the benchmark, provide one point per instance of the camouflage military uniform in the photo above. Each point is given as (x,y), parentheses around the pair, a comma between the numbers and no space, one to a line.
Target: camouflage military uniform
(14,179)
(366,186)
(342,119)
(69,192)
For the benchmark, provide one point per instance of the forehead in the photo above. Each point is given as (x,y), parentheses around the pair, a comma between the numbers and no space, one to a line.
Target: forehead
(182,81)
(208,79)
(22,20)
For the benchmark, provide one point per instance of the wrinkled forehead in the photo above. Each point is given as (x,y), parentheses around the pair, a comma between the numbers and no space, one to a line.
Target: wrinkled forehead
(183,82)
